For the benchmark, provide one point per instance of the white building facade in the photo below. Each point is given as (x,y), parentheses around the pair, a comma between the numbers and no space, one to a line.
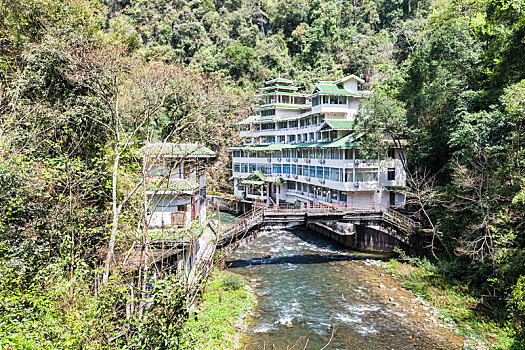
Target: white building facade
(302,149)
(176,183)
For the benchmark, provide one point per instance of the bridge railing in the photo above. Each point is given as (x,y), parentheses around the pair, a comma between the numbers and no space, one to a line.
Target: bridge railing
(387,213)
(243,223)
(256,216)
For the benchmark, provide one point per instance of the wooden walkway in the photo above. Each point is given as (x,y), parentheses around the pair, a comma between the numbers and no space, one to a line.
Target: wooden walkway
(287,213)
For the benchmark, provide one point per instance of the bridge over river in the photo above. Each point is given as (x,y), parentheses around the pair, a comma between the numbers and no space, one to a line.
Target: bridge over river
(373,223)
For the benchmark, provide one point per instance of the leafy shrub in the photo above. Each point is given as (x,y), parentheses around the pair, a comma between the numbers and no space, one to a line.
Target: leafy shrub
(232,282)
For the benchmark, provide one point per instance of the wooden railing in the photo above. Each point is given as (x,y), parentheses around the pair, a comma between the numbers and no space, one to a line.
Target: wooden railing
(257,216)
(243,223)
(388,214)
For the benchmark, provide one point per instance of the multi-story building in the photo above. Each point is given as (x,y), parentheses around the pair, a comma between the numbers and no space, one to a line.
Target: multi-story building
(303,149)
(176,183)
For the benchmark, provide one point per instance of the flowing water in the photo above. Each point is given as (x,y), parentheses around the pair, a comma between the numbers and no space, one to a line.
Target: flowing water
(306,289)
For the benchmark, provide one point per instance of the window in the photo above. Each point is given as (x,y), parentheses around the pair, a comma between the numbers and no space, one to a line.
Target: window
(267,126)
(327,173)
(268,112)
(391,174)
(290,185)
(244,168)
(252,168)
(391,153)
(349,175)
(299,170)
(312,171)
(299,186)
(277,168)
(294,169)
(286,168)
(236,154)
(320,172)
(368,175)
(236,167)
(342,196)
(335,174)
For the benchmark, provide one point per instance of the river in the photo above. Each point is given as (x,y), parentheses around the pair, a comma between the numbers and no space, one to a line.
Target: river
(309,288)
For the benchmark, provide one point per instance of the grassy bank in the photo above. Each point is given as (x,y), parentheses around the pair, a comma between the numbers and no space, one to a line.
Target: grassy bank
(474,320)
(224,310)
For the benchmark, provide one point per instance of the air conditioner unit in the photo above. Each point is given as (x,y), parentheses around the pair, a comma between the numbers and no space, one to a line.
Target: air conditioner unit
(287,159)
(269,160)
(278,159)
(295,160)
(287,175)
(322,161)
(356,184)
(295,176)
(308,179)
(322,181)
(357,161)
(307,160)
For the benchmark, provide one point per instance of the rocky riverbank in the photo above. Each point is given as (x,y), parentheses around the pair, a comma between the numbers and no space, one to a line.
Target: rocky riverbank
(422,321)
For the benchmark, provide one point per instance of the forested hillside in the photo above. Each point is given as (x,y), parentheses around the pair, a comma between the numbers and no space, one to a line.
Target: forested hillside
(84,83)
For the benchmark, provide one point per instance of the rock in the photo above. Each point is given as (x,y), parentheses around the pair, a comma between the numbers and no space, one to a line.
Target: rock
(391,299)
(382,286)
(289,325)
(266,255)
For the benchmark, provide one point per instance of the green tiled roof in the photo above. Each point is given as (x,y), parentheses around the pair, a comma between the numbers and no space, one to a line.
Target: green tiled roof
(345,141)
(282,93)
(182,185)
(279,80)
(396,188)
(252,182)
(265,178)
(309,145)
(284,87)
(168,149)
(340,124)
(331,89)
